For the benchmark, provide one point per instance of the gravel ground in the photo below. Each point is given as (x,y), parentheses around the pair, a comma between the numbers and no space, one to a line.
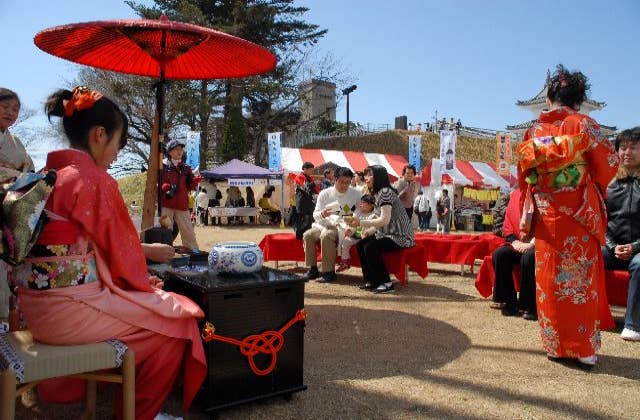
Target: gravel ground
(432,349)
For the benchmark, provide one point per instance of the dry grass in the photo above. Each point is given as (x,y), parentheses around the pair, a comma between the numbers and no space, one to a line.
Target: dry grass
(396,142)
(132,188)
(433,349)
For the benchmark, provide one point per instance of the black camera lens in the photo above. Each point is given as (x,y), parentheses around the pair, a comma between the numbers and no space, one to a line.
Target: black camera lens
(171,192)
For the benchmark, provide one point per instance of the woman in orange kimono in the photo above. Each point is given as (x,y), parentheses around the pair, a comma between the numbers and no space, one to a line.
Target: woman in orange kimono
(86,279)
(564,167)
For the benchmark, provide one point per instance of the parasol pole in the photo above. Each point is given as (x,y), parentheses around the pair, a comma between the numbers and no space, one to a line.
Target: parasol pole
(152,192)
(153,189)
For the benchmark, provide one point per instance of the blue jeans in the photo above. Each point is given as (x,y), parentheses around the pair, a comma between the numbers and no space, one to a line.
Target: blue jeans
(632,315)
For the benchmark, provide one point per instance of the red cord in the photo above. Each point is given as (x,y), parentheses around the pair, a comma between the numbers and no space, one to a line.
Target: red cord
(268,342)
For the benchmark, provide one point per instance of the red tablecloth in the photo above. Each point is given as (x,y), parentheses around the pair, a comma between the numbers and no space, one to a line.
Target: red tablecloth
(486,277)
(457,249)
(286,247)
(282,247)
(616,283)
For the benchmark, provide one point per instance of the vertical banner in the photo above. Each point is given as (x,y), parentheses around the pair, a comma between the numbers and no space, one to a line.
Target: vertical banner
(193,149)
(274,142)
(448,139)
(415,150)
(503,153)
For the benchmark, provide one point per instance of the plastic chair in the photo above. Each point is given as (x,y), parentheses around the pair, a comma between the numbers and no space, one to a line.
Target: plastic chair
(25,362)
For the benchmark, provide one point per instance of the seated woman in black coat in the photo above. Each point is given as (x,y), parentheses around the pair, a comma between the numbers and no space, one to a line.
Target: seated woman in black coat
(393,230)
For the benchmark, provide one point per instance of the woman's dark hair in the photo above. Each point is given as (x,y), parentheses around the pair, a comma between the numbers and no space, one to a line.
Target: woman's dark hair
(380,178)
(104,113)
(407,167)
(8,94)
(628,135)
(568,88)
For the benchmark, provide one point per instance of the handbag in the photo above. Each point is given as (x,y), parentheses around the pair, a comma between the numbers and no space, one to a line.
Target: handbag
(23,216)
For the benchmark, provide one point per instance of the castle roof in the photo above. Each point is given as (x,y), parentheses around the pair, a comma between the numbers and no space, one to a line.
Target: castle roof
(541,97)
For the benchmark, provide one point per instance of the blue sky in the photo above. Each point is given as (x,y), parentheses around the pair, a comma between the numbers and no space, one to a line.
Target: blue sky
(466,59)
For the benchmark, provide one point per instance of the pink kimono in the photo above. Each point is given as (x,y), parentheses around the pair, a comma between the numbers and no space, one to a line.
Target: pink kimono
(118,302)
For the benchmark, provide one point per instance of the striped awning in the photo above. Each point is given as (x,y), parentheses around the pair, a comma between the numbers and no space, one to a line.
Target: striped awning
(292,159)
(477,174)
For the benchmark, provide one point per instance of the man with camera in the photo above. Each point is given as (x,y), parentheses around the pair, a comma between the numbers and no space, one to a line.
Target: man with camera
(177,181)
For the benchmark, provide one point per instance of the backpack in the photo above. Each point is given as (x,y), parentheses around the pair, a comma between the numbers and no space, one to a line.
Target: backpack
(22,218)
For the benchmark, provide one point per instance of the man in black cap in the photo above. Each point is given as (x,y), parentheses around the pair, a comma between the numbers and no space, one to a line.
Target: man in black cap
(177,181)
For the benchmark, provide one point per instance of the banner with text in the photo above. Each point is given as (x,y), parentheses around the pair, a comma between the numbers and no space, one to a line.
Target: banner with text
(503,153)
(274,143)
(241,182)
(193,149)
(415,150)
(448,139)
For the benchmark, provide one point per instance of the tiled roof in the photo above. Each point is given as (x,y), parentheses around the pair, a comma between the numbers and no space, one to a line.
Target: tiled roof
(522,125)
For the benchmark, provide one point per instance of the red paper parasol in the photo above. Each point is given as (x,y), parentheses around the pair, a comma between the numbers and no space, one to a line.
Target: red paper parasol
(156,48)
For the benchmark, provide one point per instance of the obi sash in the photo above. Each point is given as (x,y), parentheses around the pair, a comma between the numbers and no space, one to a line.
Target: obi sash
(61,257)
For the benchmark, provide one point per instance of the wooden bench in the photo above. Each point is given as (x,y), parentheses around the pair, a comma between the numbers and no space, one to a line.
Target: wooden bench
(286,247)
(463,249)
(616,282)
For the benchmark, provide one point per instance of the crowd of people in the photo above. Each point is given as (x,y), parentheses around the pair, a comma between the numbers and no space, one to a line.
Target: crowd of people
(361,210)
(575,213)
(437,126)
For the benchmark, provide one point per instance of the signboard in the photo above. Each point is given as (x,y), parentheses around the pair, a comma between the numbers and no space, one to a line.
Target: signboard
(415,150)
(274,142)
(503,153)
(448,139)
(241,182)
(193,149)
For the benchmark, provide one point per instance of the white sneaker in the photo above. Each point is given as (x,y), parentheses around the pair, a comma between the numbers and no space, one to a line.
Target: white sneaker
(630,335)
(589,360)
(166,416)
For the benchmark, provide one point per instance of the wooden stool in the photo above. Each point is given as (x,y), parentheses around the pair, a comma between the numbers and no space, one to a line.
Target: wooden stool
(25,362)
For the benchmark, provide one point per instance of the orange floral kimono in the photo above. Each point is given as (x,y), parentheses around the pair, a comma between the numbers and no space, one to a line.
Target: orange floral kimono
(564,167)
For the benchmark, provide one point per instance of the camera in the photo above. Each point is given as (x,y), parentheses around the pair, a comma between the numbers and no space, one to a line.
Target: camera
(171,192)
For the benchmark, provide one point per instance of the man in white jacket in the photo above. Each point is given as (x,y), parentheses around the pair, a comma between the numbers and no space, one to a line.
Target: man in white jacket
(333,203)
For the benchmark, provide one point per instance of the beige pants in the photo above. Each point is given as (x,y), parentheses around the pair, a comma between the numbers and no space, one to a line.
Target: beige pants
(328,239)
(183,220)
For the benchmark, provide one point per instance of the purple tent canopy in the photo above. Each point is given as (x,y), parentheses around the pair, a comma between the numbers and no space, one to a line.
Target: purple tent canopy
(238,169)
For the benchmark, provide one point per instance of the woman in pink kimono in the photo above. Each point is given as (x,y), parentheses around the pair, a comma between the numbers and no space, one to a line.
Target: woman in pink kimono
(86,279)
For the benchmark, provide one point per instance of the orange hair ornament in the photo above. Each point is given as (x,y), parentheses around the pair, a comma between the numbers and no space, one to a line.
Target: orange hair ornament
(83,98)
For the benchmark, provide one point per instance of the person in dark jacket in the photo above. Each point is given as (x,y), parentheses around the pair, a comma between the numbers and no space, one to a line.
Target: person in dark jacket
(177,181)
(622,249)
(517,251)
(306,192)
(498,211)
